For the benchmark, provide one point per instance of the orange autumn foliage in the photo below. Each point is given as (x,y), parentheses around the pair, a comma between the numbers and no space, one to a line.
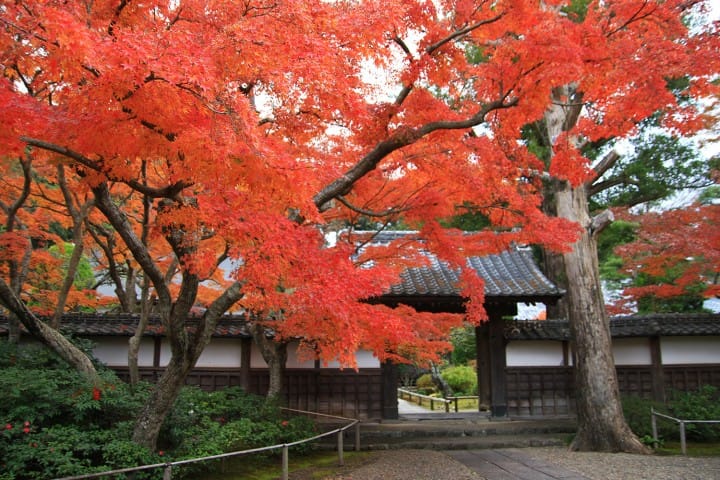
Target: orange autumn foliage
(677,252)
(261,126)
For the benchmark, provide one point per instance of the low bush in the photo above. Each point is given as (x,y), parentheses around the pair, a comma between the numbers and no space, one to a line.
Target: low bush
(637,415)
(462,379)
(55,424)
(702,404)
(425,384)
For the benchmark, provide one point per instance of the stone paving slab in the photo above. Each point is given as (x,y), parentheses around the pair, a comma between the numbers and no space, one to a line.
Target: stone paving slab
(511,465)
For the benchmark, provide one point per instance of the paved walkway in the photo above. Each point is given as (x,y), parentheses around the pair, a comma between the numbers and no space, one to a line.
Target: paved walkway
(511,465)
(405,407)
(496,464)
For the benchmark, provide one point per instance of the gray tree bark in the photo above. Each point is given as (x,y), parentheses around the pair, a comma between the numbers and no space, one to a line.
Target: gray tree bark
(601,424)
(275,355)
(47,335)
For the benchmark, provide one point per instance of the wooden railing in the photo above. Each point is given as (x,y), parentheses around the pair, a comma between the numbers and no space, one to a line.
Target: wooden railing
(419,398)
(168,467)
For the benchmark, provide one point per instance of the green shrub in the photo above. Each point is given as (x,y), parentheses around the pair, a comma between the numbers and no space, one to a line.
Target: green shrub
(425,384)
(462,379)
(55,424)
(637,415)
(702,404)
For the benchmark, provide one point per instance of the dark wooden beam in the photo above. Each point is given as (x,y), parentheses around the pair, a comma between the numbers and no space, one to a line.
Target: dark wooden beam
(656,371)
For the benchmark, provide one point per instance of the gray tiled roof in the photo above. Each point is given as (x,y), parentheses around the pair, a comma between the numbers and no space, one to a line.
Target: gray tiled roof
(124,324)
(666,325)
(678,324)
(512,273)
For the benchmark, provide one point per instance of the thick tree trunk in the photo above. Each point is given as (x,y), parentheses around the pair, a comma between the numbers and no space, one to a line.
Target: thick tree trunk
(553,263)
(601,424)
(275,355)
(14,331)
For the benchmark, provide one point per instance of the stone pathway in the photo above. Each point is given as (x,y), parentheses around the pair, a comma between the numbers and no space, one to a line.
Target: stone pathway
(405,407)
(511,465)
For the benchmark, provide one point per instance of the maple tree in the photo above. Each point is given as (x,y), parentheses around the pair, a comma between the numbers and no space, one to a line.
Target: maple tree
(674,259)
(254,129)
(40,267)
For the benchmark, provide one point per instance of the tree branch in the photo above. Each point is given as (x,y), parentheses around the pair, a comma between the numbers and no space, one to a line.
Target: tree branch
(607,162)
(140,252)
(600,221)
(170,191)
(369,213)
(401,138)
(463,31)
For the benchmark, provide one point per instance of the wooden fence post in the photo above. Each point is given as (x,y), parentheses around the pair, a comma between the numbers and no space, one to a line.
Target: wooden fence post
(285,462)
(341,453)
(357,437)
(683,446)
(653,423)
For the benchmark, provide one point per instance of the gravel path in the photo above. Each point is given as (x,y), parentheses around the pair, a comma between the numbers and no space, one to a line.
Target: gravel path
(431,465)
(622,466)
(410,465)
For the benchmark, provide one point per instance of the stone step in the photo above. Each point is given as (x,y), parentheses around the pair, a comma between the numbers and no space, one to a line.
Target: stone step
(463,443)
(466,427)
(459,434)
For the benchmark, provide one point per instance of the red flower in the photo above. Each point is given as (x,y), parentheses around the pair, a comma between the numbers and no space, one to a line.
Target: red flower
(285,423)
(26,423)
(161,453)
(26,429)
(8,426)
(96,394)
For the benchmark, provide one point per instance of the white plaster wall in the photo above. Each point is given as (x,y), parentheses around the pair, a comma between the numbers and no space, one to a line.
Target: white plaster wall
(364,359)
(534,353)
(256,359)
(221,352)
(690,350)
(165,353)
(113,351)
(292,358)
(632,351)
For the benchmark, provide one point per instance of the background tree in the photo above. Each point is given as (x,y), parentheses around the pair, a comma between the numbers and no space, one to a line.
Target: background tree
(577,119)
(674,260)
(36,275)
(260,132)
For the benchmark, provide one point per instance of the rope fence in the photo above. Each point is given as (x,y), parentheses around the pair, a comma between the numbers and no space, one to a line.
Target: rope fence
(168,466)
(680,422)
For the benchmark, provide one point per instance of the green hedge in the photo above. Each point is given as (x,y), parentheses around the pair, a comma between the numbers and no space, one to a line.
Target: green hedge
(55,424)
(702,404)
